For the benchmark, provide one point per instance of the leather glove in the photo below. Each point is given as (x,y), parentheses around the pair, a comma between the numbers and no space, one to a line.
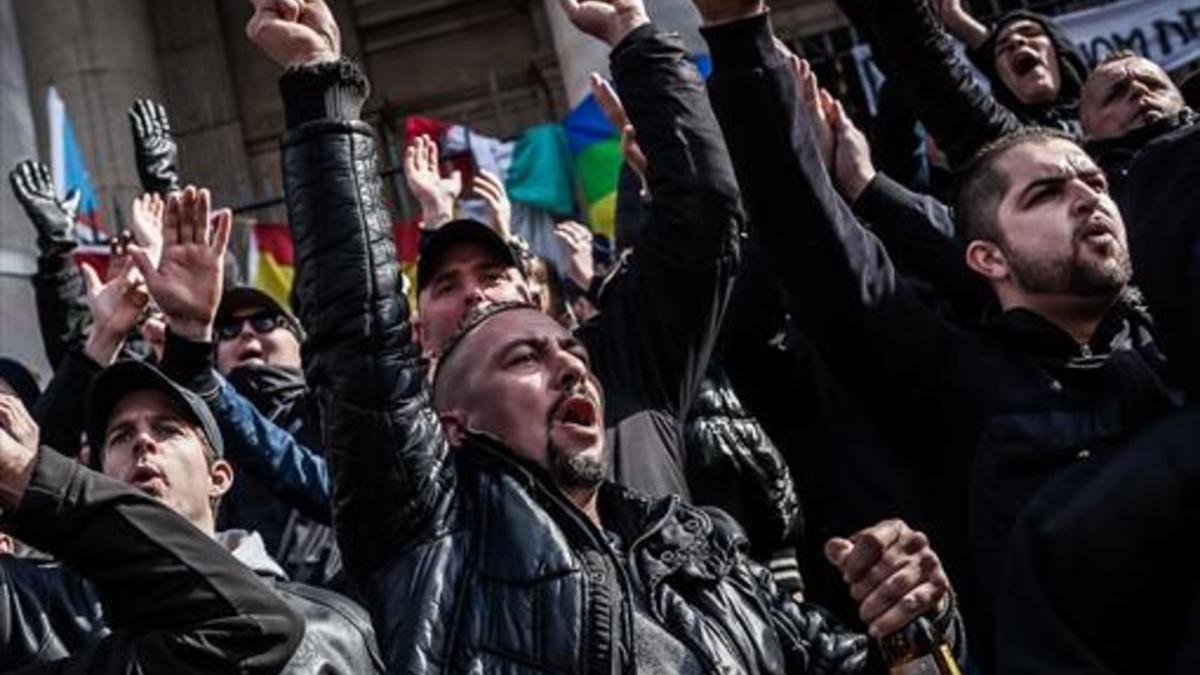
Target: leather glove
(154,148)
(54,219)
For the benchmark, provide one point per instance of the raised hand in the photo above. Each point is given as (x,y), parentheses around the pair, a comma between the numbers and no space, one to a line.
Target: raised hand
(810,96)
(295,32)
(893,574)
(19,436)
(488,187)
(725,11)
(187,283)
(116,303)
(435,194)
(154,148)
(853,169)
(606,20)
(576,240)
(146,224)
(610,104)
(54,219)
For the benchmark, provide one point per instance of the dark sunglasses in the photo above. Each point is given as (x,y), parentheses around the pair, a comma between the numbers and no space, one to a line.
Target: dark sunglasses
(261,323)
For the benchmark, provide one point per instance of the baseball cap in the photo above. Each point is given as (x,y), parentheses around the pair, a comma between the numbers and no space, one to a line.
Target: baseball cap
(125,377)
(456,232)
(241,297)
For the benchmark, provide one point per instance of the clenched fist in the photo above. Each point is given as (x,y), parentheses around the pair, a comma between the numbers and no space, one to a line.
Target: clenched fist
(295,32)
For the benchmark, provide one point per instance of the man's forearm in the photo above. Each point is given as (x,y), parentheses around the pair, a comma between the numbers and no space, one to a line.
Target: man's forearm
(162,581)
(363,361)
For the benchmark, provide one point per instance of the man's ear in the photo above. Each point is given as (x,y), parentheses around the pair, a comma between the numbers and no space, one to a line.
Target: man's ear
(986,259)
(221,476)
(454,422)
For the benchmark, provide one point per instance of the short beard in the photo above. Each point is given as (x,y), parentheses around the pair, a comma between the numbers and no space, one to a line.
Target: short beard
(574,472)
(1073,276)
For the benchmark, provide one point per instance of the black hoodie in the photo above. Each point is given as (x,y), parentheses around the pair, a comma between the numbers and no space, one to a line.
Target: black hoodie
(1073,70)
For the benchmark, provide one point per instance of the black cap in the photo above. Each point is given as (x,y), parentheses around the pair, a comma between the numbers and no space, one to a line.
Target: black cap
(21,380)
(241,297)
(457,232)
(126,377)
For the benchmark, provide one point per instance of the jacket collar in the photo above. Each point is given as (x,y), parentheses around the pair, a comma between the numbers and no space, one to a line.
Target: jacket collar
(1115,153)
(664,535)
(249,549)
(1031,332)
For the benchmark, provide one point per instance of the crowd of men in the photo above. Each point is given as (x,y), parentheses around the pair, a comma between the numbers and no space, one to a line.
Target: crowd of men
(810,403)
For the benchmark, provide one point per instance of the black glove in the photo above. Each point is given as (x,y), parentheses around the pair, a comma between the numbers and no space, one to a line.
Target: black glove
(153,147)
(53,219)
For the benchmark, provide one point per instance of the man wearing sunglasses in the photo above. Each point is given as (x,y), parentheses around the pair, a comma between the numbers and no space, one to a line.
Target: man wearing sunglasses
(248,371)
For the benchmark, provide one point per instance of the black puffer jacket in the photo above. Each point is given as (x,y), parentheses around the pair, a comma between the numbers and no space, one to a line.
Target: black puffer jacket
(734,466)
(472,562)
(914,50)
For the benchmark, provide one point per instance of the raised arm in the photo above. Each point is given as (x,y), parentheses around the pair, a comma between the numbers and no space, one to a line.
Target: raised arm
(387,449)
(661,311)
(177,602)
(57,284)
(833,271)
(913,50)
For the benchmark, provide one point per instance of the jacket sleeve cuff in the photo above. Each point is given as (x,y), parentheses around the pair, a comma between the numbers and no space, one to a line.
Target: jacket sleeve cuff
(326,91)
(629,43)
(191,364)
(879,198)
(742,45)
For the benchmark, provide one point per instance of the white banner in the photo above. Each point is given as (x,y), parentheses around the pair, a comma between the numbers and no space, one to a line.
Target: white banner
(1165,31)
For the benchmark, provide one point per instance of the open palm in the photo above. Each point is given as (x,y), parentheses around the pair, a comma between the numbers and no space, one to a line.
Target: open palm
(116,303)
(187,283)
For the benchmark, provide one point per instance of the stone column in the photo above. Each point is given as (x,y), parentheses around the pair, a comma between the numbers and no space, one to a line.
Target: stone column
(19,336)
(100,56)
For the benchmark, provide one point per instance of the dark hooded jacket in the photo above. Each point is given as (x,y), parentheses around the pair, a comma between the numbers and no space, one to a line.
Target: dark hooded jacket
(1002,409)
(1063,112)
(1104,540)
(1154,174)
(913,49)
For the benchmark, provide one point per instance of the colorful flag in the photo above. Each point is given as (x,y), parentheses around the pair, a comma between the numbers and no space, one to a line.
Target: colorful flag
(70,171)
(270,266)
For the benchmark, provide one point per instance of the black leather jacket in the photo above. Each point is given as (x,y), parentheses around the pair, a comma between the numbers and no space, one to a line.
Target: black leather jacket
(49,613)
(734,466)
(149,593)
(472,562)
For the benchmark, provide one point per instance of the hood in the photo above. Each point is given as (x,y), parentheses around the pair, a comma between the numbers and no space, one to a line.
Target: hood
(249,549)
(1072,67)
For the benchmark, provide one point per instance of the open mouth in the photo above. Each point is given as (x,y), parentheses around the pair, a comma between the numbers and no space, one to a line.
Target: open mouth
(147,478)
(577,410)
(1025,61)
